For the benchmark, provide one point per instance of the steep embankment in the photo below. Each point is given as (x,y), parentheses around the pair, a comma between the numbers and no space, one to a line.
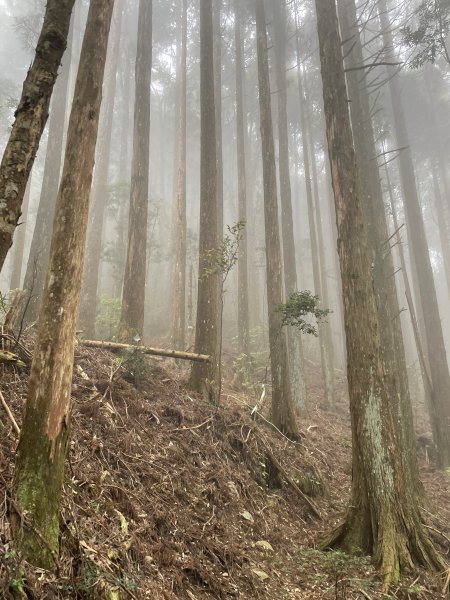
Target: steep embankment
(167,498)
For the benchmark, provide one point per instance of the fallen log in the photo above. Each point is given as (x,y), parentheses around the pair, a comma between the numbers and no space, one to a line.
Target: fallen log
(146,350)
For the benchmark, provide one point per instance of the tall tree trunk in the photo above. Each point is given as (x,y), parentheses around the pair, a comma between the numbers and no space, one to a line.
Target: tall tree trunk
(371,196)
(206,377)
(31,117)
(241,138)
(295,353)
(179,274)
(19,242)
(440,377)
(89,296)
(283,413)
(124,171)
(384,517)
(37,263)
(217,9)
(43,441)
(133,295)
(442,223)
(424,367)
(308,159)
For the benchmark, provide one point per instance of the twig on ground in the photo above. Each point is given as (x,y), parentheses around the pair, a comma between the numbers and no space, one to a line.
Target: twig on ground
(191,428)
(9,413)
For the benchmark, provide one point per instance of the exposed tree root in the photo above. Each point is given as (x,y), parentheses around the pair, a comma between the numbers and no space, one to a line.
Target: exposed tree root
(397,545)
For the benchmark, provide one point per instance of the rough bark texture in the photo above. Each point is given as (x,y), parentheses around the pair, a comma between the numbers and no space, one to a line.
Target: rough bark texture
(384,517)
(42,447)
(40,242)
(179,267)
(371,196)
(133,296)
(31,117)
(99,192)
(283,413)
(439,372)
(241,137)
(205,378)
(295,350)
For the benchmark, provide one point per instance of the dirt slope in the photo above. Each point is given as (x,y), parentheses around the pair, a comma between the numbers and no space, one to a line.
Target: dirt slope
(167,498)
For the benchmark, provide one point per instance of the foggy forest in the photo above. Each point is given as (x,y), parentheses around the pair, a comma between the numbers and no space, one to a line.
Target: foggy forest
(225,299)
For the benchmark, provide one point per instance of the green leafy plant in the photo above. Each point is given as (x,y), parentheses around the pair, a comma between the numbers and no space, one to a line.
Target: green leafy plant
(428,37)
(107,321)
(301,305)
(222,259)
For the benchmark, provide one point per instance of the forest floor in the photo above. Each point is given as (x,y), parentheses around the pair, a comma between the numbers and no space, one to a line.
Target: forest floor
(166,497)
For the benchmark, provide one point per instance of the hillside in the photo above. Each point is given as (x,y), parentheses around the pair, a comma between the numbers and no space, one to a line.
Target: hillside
(167,498)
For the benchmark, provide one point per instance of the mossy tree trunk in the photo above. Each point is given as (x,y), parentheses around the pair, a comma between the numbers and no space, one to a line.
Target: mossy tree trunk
(42,447)
(384,517)
(133,294)
(206,378)
(371,196)
(283,412)
(31,117)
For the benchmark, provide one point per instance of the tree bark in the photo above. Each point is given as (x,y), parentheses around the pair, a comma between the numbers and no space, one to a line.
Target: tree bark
(37,262)
(42,447)
(99,192)
(371,196)
(179,268)
(19,242)
(308,158)
(440,376)
(206,378)
(31,117)
(384,517)
(283,413)
(241,138)
(133,295)
(295,349)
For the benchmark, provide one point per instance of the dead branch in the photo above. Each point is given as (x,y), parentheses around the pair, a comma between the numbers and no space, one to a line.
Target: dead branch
(9,413)
(146,350)
(292,483)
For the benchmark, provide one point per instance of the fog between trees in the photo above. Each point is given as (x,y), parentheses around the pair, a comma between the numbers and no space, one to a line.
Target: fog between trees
(245,152)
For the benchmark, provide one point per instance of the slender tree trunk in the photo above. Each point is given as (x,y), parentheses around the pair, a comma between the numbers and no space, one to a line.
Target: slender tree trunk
(283,413)
(179,274)
(241,138)
(133,296)
(442,221)
(206,378)
(89,296)
(295,350)
(124,173)
(384,517)
(37,263)
(31,117)
(19,242)
(42,447)
(424,367)
(439,371)
(308,158)
(217,9)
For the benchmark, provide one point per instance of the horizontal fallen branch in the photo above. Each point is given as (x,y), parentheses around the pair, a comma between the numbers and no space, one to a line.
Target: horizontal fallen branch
(146,350)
